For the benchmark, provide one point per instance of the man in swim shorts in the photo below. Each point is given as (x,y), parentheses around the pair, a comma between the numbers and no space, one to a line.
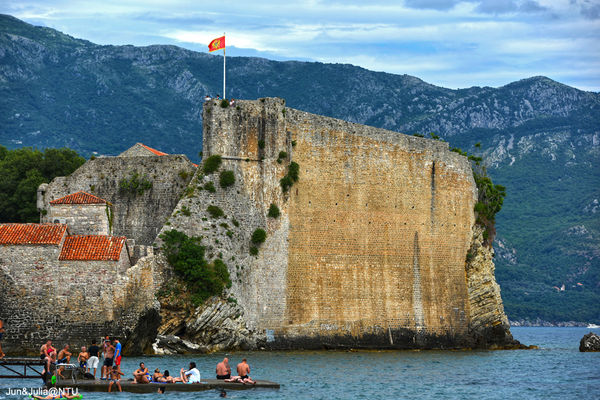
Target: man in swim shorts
(223,369)
(109,353)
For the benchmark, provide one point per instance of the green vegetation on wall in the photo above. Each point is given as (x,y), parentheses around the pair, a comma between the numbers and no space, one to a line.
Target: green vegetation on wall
(135,184)
(226,179)
(186,255)
(22,171)
(273,211)
(211,164)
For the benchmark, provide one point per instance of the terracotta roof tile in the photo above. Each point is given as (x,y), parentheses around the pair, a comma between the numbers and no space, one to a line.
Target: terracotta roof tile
(158,153)
(92,248)
(80,197)
(32,233)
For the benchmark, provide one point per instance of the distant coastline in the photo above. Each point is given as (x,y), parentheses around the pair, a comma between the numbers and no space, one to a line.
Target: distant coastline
(540,322)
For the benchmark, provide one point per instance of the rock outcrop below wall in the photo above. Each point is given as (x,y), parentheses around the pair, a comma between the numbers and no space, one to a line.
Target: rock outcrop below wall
(370,247)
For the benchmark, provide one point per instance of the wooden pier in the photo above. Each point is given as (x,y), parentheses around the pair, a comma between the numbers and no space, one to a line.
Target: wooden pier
(21,367)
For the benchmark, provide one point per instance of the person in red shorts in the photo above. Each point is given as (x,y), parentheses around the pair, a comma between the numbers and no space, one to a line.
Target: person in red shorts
(118,354)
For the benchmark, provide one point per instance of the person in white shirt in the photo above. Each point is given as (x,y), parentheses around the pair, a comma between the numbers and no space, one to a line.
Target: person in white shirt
(190,376)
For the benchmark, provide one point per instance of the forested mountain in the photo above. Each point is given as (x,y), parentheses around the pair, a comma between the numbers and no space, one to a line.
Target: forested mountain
(540,138)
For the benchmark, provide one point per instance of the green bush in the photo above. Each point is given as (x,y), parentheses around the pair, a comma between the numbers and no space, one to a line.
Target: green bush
(253,250)
(224,103)
(226,179)
(274,211)
(135,184)
(215,211)
(210,187)
(185,211)
(286,183)
(259,236)
(211,164)
(282,155)
(183,174)
(294,171)
(235,222)
(261,144)
(186,256)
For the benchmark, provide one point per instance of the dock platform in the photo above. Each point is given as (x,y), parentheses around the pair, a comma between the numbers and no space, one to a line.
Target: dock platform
(31,367)
(128,386)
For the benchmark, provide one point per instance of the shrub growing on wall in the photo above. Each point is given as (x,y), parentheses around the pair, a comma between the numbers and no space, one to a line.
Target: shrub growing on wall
(226,179)
(215,211)
(211,164)
(274,211)
(135,184)
(186,255)
(259,236)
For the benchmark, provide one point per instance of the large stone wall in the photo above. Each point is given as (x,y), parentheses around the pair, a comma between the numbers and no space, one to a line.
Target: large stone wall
(370,247)
(72,301)
(138,216)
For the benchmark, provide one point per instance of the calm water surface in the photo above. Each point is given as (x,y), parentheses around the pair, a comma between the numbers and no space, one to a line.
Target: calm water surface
(556,370)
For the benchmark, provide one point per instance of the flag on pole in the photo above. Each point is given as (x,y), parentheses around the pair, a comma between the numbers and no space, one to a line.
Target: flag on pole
(217,44)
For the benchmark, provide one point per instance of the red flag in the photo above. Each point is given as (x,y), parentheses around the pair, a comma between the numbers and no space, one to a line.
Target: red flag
(217,44)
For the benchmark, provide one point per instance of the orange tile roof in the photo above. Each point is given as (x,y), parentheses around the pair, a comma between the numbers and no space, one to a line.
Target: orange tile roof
(80,197)
(92,248)
(158,153)
(32,233)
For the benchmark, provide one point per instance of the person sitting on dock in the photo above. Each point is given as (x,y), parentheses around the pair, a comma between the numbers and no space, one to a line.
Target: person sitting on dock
(2,330)
(82,358)
(192,375)
(109,352)
(64,357)
(157,376)
(141,375)
(243,370)
(223,369)
(115,377)
(48,361)
(46,349)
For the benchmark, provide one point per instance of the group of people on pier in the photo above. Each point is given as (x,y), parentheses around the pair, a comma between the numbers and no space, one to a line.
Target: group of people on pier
(89,360)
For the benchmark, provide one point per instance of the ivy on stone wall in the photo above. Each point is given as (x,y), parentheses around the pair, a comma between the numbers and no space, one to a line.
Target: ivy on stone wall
(292,176)
(211,164)
(135,184)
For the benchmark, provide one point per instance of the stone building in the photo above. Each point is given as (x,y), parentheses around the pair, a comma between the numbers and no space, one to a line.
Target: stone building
(84,213)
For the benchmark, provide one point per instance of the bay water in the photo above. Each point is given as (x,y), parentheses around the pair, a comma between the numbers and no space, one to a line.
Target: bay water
(556,370)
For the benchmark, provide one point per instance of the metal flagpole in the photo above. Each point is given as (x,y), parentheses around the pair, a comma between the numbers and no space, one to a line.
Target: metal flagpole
(224,95)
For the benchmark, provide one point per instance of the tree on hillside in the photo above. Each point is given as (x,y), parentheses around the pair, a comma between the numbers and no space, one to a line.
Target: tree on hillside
(22,171)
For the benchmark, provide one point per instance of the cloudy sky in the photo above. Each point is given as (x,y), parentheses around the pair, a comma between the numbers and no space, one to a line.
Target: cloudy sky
(451,43)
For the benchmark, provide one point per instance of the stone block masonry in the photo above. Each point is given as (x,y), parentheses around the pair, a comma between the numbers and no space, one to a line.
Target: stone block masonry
(137,215)
(370,247)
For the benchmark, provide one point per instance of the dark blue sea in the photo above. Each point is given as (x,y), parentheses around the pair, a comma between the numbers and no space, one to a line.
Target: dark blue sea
(556,371)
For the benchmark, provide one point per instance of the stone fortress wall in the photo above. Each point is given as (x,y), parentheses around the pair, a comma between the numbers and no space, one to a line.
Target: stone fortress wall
(138,216)
(370,248)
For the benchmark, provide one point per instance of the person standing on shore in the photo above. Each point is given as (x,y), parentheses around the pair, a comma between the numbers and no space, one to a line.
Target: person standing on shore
(93,351)
(2,330)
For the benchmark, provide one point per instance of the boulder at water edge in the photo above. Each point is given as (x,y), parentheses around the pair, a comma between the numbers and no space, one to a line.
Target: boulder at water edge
(590,342)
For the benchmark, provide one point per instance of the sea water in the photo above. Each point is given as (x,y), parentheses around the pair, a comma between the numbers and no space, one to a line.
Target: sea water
(556,371)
